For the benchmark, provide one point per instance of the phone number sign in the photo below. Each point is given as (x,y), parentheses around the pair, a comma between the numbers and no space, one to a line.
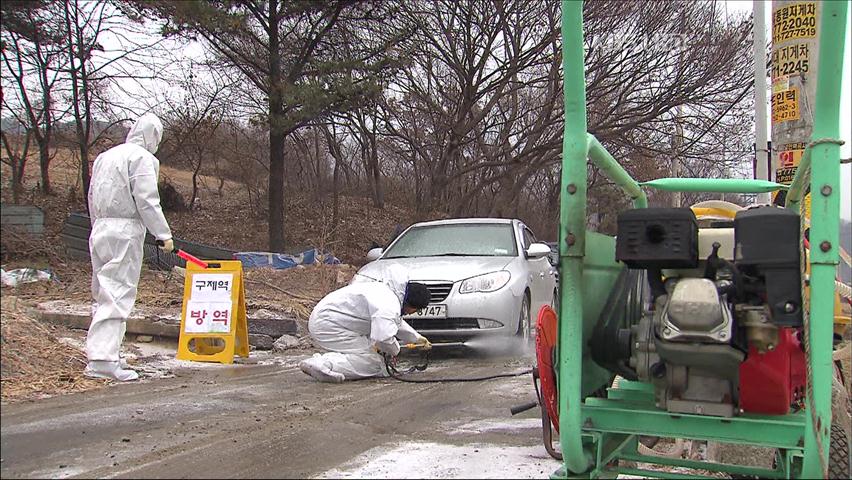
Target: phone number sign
(785,105)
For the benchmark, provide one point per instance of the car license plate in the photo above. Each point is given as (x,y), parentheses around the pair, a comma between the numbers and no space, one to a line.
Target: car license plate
(430,311)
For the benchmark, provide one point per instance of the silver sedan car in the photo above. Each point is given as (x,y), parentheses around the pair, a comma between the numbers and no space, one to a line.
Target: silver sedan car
(486,276)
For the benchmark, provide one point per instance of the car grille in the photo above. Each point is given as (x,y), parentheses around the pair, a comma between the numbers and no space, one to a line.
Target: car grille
(439,291)
(426,324)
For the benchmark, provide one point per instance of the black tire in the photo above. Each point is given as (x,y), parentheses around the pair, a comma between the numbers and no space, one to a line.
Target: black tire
(554,304)
(838,454)
(525,320)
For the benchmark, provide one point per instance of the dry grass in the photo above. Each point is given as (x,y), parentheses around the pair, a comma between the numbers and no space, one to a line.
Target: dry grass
(34,363)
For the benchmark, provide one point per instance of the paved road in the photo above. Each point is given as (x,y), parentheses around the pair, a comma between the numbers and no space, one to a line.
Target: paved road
(273,421)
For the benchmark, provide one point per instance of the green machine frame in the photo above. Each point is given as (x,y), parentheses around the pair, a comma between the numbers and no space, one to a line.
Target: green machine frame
(595,432)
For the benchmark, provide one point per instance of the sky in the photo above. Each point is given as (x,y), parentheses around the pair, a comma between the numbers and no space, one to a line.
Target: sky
(845,104)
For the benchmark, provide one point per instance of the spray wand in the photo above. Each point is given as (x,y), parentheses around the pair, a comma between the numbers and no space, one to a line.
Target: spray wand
(186,256)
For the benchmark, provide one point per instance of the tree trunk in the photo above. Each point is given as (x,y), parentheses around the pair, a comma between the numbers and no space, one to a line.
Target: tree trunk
(379,198)
(319,176)
(277,136)
(44,164)
(17,178)
(276,184)
(17,161)
(85,174)
(80,94)
(334,150)
(47,135)
(195,183)
(441,179)
(335,212)
(418,185)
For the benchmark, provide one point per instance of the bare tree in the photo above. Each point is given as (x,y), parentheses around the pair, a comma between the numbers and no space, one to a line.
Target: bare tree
(92,69)
(468,85)
(17,152)
(194,122)
(287,51)
(334,150)
(476,121)
(33,60)
(363,125)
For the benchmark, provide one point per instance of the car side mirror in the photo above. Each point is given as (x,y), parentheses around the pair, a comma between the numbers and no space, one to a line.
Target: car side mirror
(538,250)
(374,254)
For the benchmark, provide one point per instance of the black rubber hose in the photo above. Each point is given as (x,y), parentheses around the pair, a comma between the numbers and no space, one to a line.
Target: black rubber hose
(395,374)
(655,280)
(739,286)
(471,379)
(523,408)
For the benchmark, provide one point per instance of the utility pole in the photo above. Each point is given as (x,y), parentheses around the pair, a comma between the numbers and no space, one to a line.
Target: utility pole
(677,144)
(795,52)
(761,152)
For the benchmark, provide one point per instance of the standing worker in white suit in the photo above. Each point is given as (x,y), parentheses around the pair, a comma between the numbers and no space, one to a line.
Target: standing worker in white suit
(123,202)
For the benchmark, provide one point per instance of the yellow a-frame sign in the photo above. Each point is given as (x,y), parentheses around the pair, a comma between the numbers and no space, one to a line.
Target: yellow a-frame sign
(213,325)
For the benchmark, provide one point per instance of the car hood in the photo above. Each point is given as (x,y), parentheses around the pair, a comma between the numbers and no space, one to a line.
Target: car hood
(450,269)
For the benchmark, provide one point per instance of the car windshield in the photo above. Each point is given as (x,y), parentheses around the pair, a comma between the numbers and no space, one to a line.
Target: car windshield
(460,239)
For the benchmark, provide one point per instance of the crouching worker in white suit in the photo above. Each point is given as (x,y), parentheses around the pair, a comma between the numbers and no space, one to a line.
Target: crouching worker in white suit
(360,319)
(123,202)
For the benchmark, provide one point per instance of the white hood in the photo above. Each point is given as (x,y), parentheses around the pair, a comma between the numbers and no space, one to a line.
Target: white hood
(146,132)
(436,269)
(396,278)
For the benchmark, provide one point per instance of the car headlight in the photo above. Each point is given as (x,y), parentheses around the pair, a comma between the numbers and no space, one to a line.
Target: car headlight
(485,283)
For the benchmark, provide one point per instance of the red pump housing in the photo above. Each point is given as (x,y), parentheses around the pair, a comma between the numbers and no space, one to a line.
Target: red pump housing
(772,382)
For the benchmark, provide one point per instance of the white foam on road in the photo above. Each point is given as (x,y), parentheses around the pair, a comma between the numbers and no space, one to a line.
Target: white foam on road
(481,426)
(435,460)
(64,472)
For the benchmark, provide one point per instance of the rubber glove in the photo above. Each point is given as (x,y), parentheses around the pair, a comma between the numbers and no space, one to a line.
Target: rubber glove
(391,348)
(421,340)
(168,246)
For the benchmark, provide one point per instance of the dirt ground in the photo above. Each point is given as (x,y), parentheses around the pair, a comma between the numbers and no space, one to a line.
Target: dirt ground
(270,420)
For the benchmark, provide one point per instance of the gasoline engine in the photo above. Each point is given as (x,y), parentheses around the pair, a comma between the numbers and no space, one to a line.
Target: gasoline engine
(722,332)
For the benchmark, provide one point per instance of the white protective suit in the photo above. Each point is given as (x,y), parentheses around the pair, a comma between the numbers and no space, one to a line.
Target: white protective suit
(355,320)
(123,202)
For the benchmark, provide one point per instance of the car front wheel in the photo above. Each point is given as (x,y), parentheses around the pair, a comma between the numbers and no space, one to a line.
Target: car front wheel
(524,322)
(554,303)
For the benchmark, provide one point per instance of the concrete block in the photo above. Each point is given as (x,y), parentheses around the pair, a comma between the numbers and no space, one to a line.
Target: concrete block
(72,320)
(154,326)
(79,316)
(274,327)
(285,342)
(261,342)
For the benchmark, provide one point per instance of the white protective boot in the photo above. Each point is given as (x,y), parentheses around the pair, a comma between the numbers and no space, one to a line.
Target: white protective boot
(320,369)
(109,370)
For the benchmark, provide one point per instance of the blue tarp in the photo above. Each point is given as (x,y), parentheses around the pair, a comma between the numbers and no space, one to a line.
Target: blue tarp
(282,260)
